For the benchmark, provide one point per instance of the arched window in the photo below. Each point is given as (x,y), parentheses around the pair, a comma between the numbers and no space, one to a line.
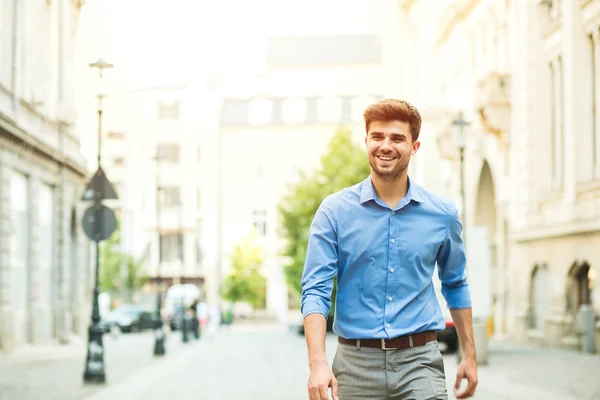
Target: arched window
(540,296)
(580,287)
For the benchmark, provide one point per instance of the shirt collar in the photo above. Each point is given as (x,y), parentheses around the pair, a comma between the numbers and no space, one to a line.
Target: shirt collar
(367,192)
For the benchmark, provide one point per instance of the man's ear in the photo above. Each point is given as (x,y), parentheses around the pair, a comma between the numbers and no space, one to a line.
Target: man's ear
(415,147)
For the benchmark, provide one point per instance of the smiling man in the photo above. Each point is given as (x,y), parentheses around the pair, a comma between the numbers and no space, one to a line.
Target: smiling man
(382,238)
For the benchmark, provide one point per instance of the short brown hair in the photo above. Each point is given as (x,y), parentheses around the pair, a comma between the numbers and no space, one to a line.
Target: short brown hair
(394,110)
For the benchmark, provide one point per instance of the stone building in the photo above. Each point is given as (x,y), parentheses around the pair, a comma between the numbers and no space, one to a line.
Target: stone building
(526,75)
(45,276)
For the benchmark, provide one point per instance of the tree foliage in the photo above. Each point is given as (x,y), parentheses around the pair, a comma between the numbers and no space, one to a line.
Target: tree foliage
(342,165)
(111,260)
(245,282)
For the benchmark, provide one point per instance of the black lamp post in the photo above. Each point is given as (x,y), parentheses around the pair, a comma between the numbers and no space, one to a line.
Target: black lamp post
(159,334)
(94,365)
(181,238)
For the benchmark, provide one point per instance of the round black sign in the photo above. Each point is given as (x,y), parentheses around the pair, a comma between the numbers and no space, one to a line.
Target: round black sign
(99,222)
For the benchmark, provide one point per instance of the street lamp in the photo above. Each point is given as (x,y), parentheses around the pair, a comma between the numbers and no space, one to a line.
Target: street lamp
(94,366)
(159,334)
(459,124)
(101,65)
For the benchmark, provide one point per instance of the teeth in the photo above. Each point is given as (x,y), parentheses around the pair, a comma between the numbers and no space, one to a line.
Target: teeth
(386,158)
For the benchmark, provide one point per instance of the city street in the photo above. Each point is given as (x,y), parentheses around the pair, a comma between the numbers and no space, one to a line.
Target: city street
(264,362)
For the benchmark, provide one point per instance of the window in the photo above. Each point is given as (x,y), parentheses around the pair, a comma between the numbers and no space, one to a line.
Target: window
(294,111)
(260,222)
(169,196)
(19,240)
(167,111)
(199,254)
(329,109)
(47,236)
(171,247)
(168,152)
(115,135)
(260,111)
(557,124)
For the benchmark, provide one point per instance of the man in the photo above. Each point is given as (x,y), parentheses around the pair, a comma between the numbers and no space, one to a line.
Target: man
(383,238)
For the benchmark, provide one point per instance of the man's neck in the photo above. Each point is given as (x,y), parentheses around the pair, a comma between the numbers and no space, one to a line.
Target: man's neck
(391,192)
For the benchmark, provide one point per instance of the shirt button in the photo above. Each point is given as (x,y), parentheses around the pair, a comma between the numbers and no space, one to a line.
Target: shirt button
(392,269)
(393,212)
(393,240)
(388,325)
(390,298)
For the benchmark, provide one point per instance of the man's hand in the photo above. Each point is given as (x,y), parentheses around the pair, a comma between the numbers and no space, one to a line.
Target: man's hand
(467,369)
(320,380)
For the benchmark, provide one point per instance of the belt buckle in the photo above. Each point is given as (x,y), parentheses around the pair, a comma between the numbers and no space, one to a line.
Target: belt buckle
(386,348)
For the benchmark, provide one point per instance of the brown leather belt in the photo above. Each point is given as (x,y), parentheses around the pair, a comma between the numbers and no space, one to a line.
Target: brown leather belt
(400,342)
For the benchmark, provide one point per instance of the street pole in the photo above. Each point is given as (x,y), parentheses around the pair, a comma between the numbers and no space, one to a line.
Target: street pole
(184,326)
(94,365)
(159,334)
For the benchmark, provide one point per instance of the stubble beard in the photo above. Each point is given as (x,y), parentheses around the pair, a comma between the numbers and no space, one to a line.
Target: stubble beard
(388,175)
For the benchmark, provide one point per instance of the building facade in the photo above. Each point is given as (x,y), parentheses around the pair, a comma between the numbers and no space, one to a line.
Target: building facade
(45,275)
(152,154)
(525,75)
(311,82)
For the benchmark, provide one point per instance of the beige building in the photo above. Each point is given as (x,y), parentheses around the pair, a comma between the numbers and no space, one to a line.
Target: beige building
(160,201)
(278,120)
(526,75)
(45,269)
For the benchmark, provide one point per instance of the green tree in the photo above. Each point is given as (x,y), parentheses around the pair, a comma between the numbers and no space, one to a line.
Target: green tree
(245,282)
(111,260)
(343,164)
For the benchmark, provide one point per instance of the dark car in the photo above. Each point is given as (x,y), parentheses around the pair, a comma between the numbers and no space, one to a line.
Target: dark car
(129,318)
(449,336)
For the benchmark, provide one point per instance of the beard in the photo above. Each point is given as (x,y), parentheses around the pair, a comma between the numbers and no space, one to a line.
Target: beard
(388,173)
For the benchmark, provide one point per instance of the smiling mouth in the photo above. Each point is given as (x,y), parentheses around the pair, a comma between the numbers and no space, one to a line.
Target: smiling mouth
(384,158)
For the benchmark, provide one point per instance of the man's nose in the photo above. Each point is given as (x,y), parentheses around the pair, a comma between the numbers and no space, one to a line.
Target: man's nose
(387,144)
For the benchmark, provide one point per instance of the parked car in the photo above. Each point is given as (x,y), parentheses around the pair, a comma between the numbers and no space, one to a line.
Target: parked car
(449,336)
(129,318)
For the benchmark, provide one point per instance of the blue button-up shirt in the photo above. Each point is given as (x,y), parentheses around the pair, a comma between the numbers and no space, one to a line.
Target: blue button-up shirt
(384,260)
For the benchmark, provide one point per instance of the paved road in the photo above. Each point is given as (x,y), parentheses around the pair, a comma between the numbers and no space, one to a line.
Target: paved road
(267,363)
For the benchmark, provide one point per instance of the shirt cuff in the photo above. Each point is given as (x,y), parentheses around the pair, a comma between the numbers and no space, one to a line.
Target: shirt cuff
(458,297)
(313,307)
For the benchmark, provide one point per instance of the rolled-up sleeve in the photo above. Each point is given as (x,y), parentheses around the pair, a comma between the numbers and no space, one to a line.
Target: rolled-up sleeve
(321,263)
(452,264)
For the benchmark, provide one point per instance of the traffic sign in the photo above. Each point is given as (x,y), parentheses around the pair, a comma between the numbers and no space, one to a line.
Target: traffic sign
(99,222)
(99,188)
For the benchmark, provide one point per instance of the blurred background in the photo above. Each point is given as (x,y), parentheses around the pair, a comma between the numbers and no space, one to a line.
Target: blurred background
(177,151)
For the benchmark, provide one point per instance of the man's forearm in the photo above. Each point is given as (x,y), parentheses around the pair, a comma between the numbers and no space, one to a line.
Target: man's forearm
(315,326)
(463,322)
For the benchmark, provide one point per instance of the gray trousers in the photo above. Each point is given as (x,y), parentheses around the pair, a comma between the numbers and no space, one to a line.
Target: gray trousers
(408,374)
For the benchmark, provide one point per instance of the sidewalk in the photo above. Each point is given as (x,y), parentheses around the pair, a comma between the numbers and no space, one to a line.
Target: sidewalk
(518,371)
(55,372)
